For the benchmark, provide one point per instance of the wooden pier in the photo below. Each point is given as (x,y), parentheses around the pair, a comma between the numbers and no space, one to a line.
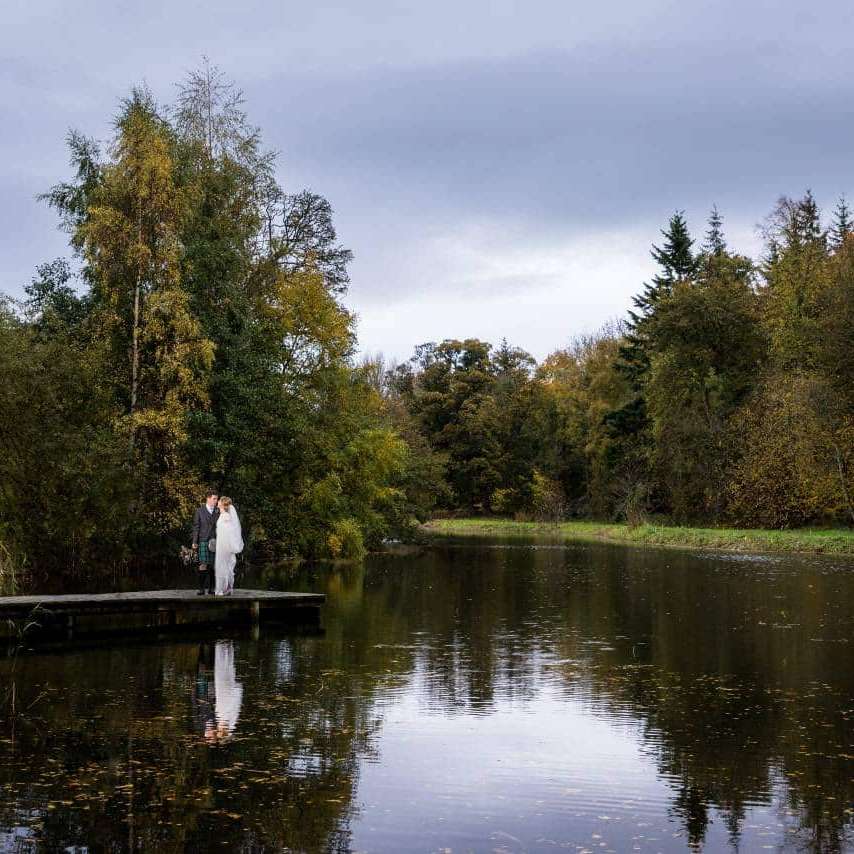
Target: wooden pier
(120,613)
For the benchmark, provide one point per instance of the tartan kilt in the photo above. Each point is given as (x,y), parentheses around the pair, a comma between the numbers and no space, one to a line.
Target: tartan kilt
(206,556)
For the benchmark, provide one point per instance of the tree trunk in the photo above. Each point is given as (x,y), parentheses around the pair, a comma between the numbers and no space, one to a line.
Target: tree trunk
(134,359)
(134,380)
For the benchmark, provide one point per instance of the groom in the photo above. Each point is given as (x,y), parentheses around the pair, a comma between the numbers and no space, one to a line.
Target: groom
(204,529)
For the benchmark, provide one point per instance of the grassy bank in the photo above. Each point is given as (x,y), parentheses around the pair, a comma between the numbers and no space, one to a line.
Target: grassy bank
(805,540)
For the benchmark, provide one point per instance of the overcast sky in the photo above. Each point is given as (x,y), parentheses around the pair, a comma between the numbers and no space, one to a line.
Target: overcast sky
(498,168)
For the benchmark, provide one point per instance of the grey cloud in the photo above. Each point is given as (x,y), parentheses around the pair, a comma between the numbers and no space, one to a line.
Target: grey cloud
(567,138)
(541,121)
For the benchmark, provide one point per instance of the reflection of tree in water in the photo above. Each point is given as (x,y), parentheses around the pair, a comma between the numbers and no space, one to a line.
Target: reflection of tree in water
(734,698)
(137,746)
(720,668)
(693,808)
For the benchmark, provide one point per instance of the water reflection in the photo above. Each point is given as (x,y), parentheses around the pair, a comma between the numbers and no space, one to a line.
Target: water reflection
(229,692)
(204,697)
(216,695)
(469,699)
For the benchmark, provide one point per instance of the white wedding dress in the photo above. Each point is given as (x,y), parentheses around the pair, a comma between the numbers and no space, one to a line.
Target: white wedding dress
(229,544)
(229,692)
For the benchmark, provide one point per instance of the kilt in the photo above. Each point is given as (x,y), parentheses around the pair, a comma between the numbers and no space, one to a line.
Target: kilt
(206,555)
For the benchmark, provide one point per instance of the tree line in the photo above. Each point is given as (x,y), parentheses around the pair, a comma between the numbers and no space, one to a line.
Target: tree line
(199,339)
(726,396)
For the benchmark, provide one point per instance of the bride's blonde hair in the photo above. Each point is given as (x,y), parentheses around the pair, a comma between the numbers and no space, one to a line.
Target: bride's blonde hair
(225,501)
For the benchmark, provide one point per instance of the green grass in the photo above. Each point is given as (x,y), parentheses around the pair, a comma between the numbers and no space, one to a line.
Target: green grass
(804,540)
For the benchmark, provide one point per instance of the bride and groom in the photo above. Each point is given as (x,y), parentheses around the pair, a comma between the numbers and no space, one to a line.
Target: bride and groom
(217,540)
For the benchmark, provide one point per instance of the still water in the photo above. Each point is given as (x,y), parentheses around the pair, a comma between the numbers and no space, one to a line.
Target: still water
(475,697)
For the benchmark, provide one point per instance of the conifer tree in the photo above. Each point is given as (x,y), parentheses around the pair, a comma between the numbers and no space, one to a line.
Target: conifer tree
(628,425)
(675,256)
(842,224)
(677,263)
(808,220)
(797,275)
(715,243)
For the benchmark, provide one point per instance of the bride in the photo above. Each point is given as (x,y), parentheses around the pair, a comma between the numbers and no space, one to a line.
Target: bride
(229,544)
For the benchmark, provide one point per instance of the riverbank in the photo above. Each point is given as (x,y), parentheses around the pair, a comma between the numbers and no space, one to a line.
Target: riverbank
(805,540)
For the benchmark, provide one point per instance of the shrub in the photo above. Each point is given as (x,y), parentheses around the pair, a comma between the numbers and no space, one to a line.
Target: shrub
(548,502)
(635,504)
(346,540)
(503,501)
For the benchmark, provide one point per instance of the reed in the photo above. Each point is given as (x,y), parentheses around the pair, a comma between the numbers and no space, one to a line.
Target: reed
(10,571)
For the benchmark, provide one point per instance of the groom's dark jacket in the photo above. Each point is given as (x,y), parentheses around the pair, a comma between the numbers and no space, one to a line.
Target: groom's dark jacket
(204,525)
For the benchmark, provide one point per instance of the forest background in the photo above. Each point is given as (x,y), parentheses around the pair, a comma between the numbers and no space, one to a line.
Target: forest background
(197,338)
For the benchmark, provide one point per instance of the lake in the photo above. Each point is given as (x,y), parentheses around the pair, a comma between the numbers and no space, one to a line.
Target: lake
(478,696)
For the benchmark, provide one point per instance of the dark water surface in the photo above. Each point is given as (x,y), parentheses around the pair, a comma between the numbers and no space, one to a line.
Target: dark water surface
(471,698)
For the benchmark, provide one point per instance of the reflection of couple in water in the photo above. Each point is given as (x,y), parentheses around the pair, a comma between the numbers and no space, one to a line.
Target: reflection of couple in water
(217,695)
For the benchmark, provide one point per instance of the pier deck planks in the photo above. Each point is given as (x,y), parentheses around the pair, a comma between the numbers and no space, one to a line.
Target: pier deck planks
(115,612)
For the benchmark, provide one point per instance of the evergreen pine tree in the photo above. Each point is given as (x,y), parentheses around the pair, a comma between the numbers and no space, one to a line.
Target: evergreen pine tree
(807,221)
(677,262)
(628,425)
(675,256)
(715,243)
(842,224)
